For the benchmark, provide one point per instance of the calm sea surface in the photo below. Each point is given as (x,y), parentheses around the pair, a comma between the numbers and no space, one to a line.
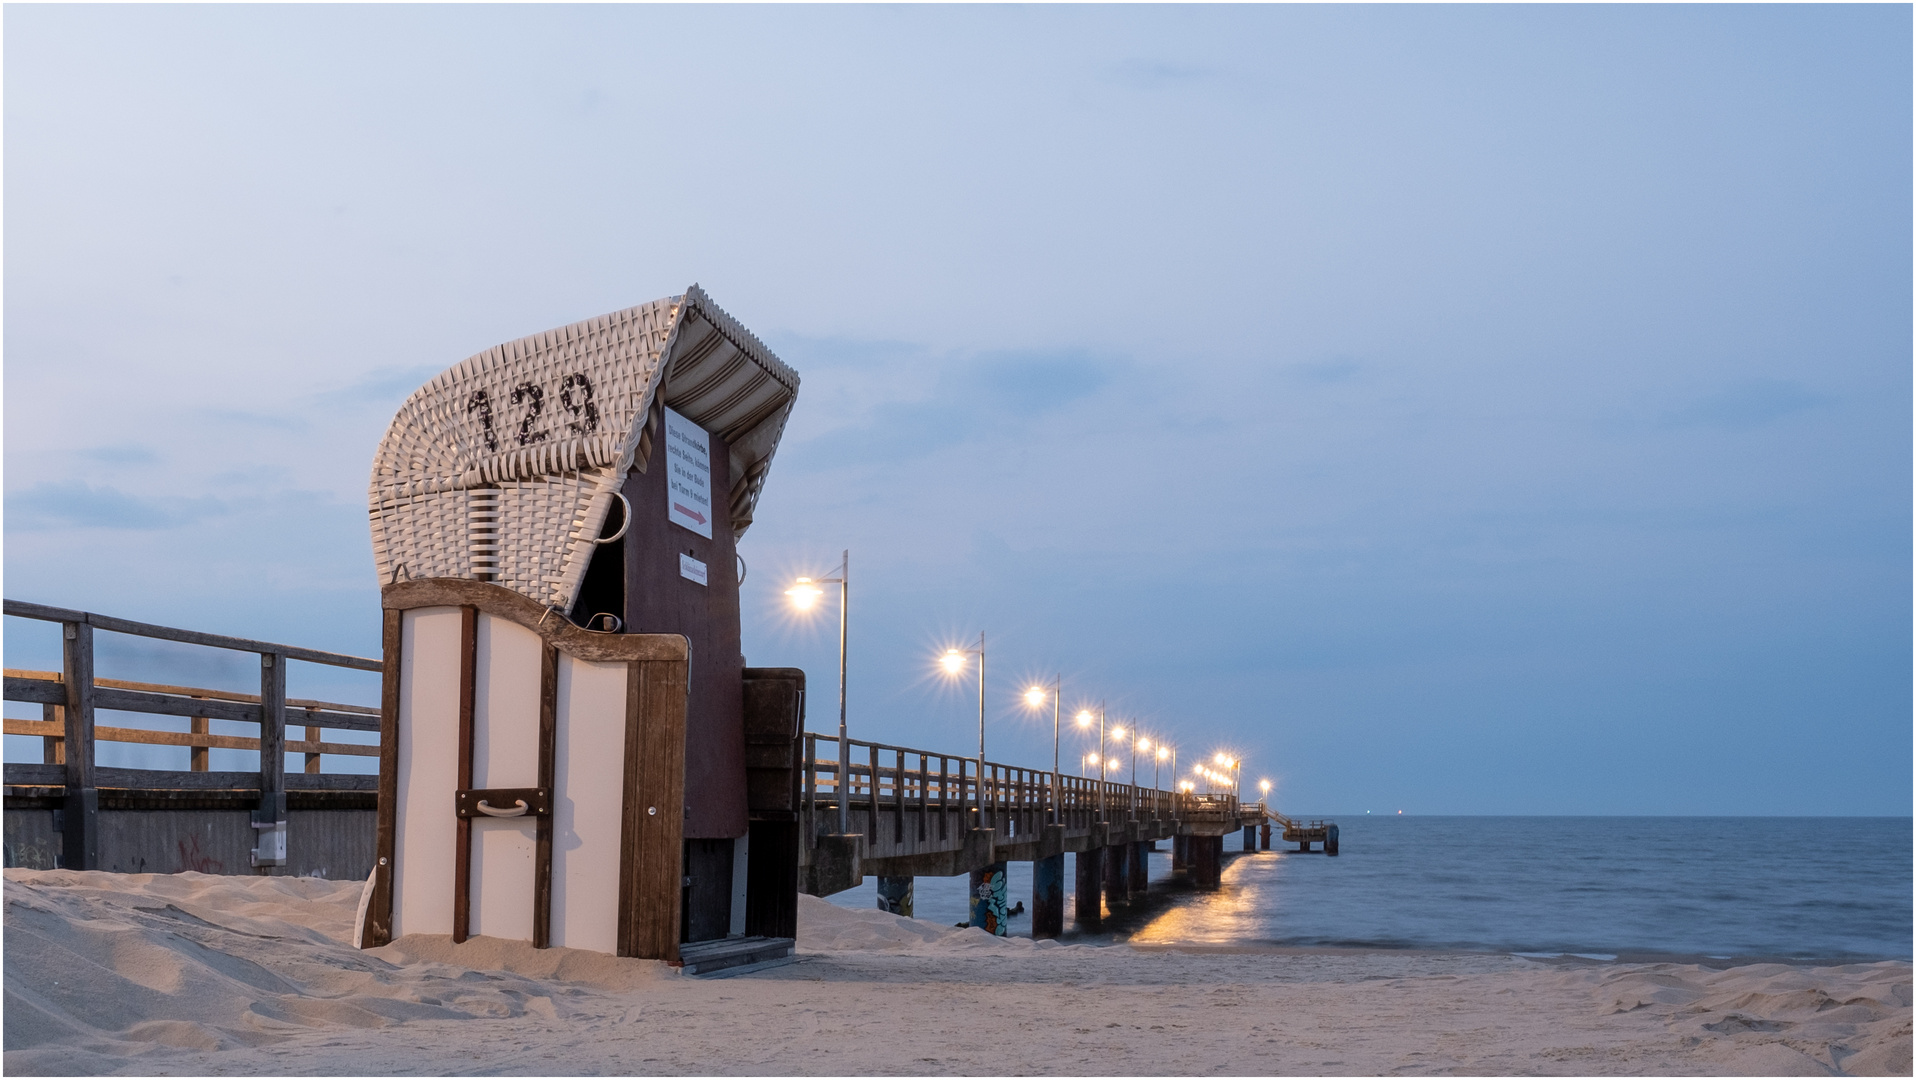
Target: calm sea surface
(1783,887)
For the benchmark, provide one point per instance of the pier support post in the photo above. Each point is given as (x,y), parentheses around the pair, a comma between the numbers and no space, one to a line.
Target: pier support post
(1303,846)
(1047,897)
(1250,838)
(1180,856)
(1117,879)
(1264,842)
(1330,840)
(895,894)
(988,899)
(1207,858)
(1139,864)
(1088,898)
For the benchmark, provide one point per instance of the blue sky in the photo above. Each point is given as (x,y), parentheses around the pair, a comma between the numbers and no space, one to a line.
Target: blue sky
(1470,410)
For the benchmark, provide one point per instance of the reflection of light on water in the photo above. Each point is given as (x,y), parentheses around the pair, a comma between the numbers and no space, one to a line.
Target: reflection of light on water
(1229,915)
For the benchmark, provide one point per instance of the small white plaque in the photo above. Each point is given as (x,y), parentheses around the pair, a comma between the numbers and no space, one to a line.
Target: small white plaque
(691,569)
(688,475)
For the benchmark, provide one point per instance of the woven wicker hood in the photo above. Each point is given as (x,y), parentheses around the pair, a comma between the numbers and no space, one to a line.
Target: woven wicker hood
(503,467)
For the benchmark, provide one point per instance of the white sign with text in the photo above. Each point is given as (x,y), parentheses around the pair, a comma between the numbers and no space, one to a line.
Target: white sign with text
(691,569)
(688,474)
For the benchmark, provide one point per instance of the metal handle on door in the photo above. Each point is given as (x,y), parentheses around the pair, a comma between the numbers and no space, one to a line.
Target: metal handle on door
(493,811)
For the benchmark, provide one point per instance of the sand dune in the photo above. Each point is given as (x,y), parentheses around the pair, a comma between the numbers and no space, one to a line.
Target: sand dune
(196,974)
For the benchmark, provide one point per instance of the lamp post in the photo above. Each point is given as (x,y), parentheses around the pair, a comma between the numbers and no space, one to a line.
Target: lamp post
(805,592)
(954,661)
(1264,786)
(1084,721)
(1035,698)
(1133,737)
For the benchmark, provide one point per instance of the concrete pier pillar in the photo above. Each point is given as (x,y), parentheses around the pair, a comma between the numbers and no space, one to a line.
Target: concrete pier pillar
(1303,845)
(1180,855)
(1264,842)
(1140,866)
(1250,838)
(1089,896)
(1330,840)
(1117,880)
(895,895)
(988,899)
(1207,861)
(1047,897)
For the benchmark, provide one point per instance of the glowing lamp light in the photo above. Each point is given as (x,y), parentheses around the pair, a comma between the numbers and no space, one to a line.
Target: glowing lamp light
(804,594)
(953,660)
(1034,697)
(1113,763)
(1144,745)
(1118,733)
(1085,717)
(1265,786)
(1222,760)
(1163,752)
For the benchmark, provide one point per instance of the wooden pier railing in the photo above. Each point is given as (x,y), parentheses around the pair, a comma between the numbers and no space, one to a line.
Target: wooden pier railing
(71,698)
(882,782)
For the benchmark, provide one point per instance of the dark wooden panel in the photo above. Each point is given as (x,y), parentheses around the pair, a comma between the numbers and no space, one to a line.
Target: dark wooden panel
(652,861)
(773,702)
(771,880)
(379,912)
(707,912)
(548,772)
(659,600)
(462,838)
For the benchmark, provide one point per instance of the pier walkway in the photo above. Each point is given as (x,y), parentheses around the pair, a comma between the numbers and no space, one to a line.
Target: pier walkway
(896,813)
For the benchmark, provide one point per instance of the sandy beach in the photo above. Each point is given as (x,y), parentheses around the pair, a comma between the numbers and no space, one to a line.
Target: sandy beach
(191,974)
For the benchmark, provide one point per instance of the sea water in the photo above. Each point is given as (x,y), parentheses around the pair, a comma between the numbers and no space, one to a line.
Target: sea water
(1811,888)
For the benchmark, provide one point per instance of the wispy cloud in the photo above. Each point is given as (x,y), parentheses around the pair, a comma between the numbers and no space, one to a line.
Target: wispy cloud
(120,454)
(250,418)
(1141,73)
(1747,404)
(386,385)
(54,505)
(973,398)
(1337,369)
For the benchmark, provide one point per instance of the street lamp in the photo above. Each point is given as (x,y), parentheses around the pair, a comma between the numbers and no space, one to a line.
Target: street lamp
(954,661)
(1265,787)
(805,594)
(1034,697)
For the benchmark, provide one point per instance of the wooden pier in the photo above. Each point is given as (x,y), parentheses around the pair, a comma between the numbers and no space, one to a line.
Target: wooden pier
(916,813)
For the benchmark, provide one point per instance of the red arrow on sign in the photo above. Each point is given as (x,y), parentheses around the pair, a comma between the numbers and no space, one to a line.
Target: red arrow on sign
(689,512)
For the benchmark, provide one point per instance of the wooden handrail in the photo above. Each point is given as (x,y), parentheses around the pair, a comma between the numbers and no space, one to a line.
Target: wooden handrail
(198,692)
(44,613)
(54,729)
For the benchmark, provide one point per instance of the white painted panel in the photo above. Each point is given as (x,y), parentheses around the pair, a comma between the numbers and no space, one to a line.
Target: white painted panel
(502,864)
(587,802)
(428,771)
(505,705)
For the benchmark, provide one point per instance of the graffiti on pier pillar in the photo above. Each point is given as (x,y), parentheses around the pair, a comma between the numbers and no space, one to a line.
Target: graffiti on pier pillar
(895,895)
(988,900)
